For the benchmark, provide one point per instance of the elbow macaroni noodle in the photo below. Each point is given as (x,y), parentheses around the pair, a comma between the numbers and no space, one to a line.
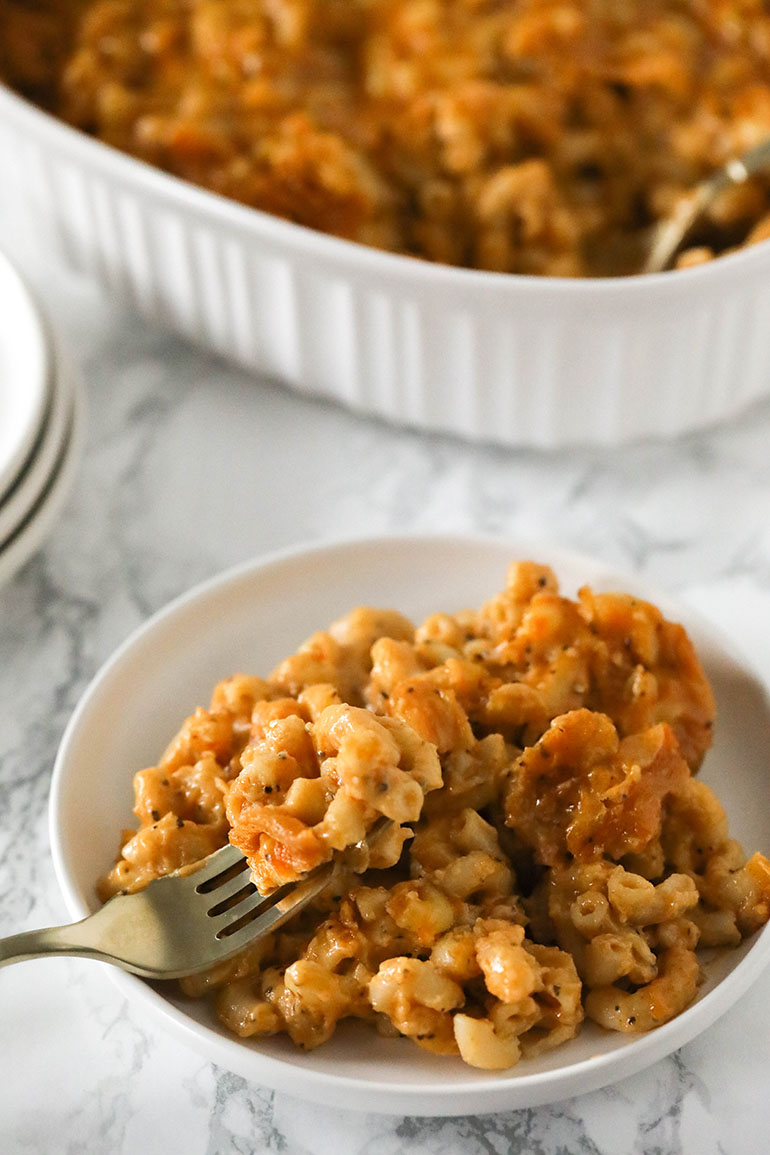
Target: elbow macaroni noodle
(551,854)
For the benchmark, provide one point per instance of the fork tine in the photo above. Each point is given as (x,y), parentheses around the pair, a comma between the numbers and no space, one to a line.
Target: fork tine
(216,895)
(234,943)
(217,863)
(256,915)
(250,906)
(263,914)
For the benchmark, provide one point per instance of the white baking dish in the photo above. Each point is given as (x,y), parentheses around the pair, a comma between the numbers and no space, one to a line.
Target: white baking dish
(515,360)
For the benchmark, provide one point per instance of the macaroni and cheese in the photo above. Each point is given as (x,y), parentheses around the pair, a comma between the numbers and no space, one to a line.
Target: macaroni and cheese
(551,853)
(525,136)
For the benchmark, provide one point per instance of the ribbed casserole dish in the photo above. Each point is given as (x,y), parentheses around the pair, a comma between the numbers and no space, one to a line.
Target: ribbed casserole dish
(513,360)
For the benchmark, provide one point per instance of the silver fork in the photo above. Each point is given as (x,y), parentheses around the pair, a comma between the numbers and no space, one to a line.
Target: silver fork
(180,924)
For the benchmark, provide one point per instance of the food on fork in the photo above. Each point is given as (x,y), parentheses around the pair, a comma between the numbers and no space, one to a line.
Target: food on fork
(550,854)
(308,789)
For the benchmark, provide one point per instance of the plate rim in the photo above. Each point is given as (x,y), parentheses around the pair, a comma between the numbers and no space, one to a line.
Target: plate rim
(30,533)
(35,391)
(43,462)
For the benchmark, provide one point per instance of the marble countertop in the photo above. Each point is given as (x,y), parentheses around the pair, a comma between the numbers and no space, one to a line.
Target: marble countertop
(190,467)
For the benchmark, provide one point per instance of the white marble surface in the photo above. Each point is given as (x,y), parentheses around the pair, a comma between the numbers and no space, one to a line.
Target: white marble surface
(190,467)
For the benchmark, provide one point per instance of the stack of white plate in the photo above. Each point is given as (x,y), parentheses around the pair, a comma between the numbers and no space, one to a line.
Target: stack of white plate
(41,419)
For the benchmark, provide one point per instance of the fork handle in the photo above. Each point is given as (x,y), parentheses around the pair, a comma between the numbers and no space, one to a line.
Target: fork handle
(72,939)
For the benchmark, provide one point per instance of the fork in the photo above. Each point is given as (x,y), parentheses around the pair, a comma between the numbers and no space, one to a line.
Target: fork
(180,924)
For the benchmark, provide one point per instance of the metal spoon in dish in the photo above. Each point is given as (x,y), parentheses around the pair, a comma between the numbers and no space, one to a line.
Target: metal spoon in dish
(671,233)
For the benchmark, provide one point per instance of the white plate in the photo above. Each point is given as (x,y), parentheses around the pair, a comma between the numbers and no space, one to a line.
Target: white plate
(248,619)
(36,474)
(25,369)
(29,535)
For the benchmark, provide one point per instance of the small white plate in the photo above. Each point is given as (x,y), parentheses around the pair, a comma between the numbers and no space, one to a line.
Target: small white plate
(29,535)
(248,619)
(30,484)
(25,374)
